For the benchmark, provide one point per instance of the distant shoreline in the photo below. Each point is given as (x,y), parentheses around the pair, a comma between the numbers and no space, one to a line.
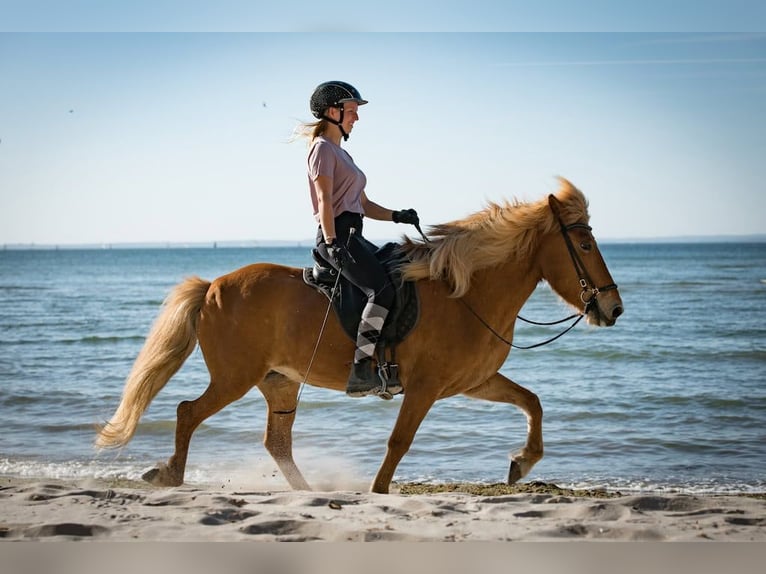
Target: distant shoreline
(307,243)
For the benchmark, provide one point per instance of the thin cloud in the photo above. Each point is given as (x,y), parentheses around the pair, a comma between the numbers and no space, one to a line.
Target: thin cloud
(664,62)
(685,39)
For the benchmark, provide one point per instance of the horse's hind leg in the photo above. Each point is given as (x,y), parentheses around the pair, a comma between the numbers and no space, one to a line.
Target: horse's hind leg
(190,415)
(501,389)
(281,396)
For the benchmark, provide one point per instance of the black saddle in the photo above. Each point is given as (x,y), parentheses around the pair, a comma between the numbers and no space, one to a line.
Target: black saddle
(349,301)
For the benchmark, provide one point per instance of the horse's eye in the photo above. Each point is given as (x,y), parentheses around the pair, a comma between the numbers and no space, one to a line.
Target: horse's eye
(586,245)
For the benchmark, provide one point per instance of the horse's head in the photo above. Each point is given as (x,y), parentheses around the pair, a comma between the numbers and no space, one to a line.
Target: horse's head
(571,262)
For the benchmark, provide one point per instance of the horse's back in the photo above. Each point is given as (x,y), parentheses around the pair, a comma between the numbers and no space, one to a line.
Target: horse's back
(251,283)
(253,274)
(257,296)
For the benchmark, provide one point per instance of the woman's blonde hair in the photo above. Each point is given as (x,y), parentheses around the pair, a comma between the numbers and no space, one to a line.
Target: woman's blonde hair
(311,131)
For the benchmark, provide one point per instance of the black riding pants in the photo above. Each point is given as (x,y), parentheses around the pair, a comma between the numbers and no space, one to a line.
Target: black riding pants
(365,271)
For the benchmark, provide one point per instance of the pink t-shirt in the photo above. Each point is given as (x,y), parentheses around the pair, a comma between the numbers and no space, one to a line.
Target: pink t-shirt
(348,181)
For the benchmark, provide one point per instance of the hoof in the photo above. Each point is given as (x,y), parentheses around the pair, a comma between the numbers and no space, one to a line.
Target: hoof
(151,476)
(159,476)
(514,473)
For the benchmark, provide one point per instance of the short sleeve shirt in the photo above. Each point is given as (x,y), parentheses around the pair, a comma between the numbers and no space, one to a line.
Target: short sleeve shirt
(348,181)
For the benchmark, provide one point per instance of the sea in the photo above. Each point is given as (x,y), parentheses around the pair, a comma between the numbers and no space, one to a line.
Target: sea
(670,399)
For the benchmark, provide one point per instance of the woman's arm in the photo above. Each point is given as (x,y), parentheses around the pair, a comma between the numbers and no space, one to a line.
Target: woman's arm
(323,186)
(375,211)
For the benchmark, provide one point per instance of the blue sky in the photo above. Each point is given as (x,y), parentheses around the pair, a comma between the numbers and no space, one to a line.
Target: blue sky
(388,16)
(184,137)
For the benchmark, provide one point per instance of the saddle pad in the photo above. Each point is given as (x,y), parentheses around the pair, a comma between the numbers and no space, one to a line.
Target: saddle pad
(349,301)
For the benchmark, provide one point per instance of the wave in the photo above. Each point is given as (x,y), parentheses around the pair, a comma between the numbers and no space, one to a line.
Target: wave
(100,339)
(642,486)
(72,469)
(86,340)
(16,397)
(132,470)
(656,350)
(34,289)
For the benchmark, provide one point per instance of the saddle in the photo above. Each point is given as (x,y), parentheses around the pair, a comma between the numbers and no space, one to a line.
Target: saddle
(349,301)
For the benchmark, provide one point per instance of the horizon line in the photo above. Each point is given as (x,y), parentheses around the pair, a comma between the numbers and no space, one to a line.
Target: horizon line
(271,243)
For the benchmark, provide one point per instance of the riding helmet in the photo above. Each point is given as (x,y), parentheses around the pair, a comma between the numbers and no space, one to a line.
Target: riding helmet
(332,95)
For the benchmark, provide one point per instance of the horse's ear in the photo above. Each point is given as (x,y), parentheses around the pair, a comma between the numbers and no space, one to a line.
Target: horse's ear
(555,205)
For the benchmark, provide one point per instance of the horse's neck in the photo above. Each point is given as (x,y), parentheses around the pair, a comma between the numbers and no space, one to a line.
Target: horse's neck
(502,290)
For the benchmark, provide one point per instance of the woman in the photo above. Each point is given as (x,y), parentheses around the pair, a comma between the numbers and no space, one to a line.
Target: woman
(337,188)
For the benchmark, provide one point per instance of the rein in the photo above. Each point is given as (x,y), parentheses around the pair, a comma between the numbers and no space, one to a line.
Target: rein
(587,295)
(577,316)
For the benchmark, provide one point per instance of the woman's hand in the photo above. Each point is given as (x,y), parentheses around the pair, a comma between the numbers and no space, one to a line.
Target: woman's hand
(405,216)
(339,254)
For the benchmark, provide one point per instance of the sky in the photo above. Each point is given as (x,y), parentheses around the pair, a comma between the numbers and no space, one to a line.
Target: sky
(187,137)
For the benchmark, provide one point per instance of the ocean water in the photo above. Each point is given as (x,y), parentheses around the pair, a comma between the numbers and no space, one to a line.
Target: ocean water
(671,398)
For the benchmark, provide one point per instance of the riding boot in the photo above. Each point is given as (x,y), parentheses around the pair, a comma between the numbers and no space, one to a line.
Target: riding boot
(363,379)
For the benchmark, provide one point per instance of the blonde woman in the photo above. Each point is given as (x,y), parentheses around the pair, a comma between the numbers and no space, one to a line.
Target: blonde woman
(340,204)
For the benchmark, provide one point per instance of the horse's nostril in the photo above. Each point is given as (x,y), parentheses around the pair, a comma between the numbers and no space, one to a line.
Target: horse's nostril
(617,311)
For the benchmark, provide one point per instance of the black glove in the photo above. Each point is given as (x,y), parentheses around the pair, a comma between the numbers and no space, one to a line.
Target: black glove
(406,216)
(339,254)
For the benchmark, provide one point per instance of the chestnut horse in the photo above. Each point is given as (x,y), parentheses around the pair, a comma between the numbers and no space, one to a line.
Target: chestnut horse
(258,326)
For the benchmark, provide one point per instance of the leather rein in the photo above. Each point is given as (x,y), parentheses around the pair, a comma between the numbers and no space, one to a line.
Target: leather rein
(587,295)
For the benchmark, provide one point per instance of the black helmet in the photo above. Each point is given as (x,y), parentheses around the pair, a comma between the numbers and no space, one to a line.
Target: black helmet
(333,95)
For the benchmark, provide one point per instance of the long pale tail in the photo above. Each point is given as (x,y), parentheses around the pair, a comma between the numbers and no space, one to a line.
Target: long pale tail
(170,342)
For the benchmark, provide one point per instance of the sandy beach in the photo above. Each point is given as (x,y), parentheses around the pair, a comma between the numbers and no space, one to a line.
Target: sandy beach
(122,511)
(444,530)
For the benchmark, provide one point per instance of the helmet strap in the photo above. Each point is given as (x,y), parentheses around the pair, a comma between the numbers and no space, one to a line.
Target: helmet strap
(338,122)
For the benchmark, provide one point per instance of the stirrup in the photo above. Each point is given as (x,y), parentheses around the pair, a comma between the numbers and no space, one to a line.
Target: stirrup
(389,374)
(387,379)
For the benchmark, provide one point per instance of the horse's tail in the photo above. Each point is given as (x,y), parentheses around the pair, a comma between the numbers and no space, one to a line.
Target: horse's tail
(170,342)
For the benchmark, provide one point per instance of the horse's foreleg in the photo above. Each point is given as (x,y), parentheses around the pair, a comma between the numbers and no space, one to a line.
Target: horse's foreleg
(501,389)
(281,396)
(190,415)
(412,412)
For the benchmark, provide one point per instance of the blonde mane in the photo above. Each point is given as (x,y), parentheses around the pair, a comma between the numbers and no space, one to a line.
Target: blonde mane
(489,237)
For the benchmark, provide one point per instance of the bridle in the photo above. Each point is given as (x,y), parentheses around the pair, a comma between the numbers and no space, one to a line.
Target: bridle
(589,289)
(587,295)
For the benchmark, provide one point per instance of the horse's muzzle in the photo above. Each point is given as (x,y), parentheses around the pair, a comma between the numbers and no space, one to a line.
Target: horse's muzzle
(603,314)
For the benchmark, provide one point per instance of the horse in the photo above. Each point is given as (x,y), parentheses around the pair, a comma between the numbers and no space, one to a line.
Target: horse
(472,275)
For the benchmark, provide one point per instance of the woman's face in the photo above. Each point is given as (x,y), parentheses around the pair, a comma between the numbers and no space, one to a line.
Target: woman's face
(350,115)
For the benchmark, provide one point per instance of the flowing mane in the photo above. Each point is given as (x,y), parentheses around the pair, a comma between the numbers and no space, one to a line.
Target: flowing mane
(488,237)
